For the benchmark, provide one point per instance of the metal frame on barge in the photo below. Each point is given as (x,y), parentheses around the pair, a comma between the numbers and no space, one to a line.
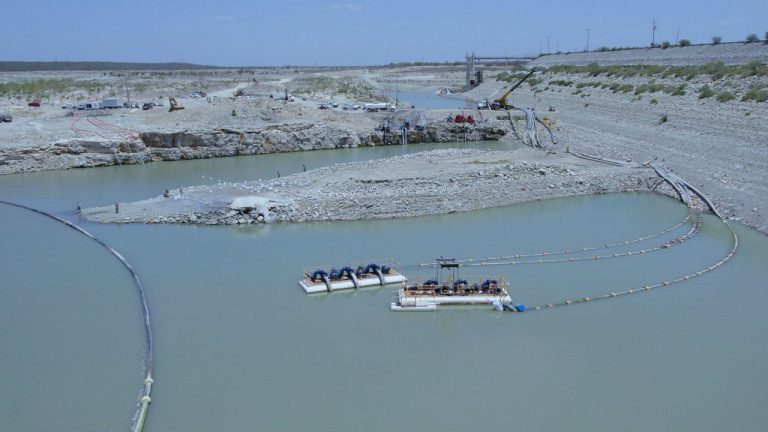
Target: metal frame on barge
(448,288)
(354,275)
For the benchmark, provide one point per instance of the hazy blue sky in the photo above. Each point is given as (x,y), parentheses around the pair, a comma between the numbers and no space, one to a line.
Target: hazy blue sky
(302,32)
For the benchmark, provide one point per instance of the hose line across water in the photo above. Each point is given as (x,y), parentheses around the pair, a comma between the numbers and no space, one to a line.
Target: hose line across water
(145,399)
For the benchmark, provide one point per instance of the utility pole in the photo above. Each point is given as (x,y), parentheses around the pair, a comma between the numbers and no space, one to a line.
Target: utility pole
(653,36)
(677,35)
(547,43)
(587,48)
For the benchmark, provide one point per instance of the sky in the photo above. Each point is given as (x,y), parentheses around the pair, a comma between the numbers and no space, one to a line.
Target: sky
(353,32)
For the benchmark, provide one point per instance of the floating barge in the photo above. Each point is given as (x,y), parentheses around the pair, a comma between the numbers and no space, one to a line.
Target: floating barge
(352,276)
(426,294)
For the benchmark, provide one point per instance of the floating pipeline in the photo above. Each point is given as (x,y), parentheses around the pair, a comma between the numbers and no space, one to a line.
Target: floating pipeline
(145,399)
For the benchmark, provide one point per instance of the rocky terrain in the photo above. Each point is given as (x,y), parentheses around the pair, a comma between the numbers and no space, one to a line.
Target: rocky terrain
(434,182)
(707,124)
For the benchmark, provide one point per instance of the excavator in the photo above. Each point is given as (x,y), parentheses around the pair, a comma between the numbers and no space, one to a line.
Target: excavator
(501,102)
(174,106)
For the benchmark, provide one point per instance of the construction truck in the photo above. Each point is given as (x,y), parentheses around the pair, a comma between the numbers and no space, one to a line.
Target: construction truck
(501,102)
(174,106)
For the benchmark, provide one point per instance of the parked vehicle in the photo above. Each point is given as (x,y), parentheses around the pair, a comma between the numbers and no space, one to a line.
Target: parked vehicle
(382,106)
(147,106)
(35,103)
(69,106)
(111,103)
(6,118)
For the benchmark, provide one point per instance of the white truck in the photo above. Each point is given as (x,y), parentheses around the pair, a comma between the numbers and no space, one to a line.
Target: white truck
(381,106)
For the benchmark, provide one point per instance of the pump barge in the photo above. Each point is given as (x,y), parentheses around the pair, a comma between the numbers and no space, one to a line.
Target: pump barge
(450,289)
(352,276)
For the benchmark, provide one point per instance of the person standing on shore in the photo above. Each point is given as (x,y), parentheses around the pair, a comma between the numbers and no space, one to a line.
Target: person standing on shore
(117,207)
(79,209)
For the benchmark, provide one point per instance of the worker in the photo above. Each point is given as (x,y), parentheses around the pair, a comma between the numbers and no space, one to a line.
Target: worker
(166,194)
(117,207)
(181,191)
(278,174)
(78,209)
(303,167)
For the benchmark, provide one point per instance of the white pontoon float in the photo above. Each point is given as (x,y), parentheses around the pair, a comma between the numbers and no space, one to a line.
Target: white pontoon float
(352,276)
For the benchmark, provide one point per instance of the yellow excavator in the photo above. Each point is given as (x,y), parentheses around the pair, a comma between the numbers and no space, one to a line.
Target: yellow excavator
(174,106)
(501,102)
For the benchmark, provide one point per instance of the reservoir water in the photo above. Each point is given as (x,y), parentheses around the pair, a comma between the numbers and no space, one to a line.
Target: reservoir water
(240,347)
(426,100)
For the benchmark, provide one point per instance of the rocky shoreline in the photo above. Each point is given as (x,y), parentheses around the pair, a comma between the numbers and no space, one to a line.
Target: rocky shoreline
(203,144)
(433,182)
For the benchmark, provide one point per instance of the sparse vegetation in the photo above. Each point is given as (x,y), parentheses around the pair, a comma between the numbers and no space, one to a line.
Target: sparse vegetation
(757,93)
(725,96)
(685,42)
(654,101)
(716,40)
(678,91)
(716,70)
(534,81)
(41,87)
(665,45)
(752,37)
(624,88)
(562,83)
(706,92)
(594,84)
(510,77)
(663,119)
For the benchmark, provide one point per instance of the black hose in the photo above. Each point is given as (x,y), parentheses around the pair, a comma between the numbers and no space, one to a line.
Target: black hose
(139,287)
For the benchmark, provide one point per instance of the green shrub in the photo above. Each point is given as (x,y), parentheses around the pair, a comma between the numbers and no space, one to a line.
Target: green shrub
(716,40)
(562,83)
(663,119)
(650,87)
(755,68)
(679,90)
(685,42)
(752,37)
(234,113)
(706,92)
(725,96)
(654,101)
(757,93)
(665,45)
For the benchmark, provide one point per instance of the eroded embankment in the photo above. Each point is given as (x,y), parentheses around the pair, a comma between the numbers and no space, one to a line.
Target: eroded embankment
(171,146)
(434,182)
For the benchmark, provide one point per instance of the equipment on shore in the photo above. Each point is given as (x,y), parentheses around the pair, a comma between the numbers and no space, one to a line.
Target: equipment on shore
(174,106)
(501,102)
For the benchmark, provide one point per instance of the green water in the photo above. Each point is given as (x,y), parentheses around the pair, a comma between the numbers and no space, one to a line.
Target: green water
(240,347)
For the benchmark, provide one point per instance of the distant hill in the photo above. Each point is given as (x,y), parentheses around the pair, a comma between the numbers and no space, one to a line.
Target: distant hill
(23,66)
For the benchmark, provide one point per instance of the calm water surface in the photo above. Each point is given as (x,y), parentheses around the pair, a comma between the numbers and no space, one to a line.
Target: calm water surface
(428,100)
(240,347)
